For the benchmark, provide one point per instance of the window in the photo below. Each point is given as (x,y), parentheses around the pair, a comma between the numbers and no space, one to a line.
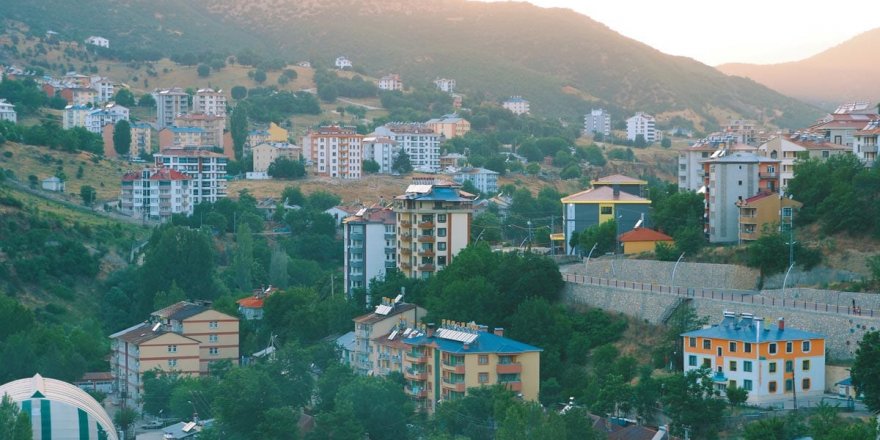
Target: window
(732,366)
(733,346)
(172,349)
(719,350)
(732,384)
(789,366)
(606,210)
(747,366)
(805,383)
(772,367)
(212,324)
(692,361)
(441,218)
(692,341)
(707,362)
(212,338)
(789,347)
(805,346)
(484,377)
(747,347)
(707,344)
(214,351)
(441,246)
(747,385)
(772,386)
(172,362)
(772,348)
(805,365)
(789,385)
(484,359)
(441,232)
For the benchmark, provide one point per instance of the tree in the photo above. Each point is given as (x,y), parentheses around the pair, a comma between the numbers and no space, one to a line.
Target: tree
(533,168)
(14,423)
(666,143)
(370,166)
(260,76)
(203,70)
(238,127)
(125,418)
(691,400)
(88,194)
(640,141)
(239,92)
(866,370)
(180,255)
(487,227)
(401,163)
(321,200)
(737,395)
(379,404)
(603,236)
(278,274)
(243,261)
(496,163)
(122,138)
(769,254)
(147,100)
(125,98)
(285,168)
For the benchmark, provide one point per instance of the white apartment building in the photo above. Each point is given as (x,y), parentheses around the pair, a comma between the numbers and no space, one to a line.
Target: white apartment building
(445,85)
(369,328)
(104,88)
(641,124)
(95,40)
(390,82)
(370,246)
(486,181)
(170,103)
(343,63)
(690,160)
(109,114)
(598,121)
(155,194)
(209,102)
(74,116)
(732,178)
(206,169)
(334,151)
(517,105)
(419,141)
(382,150)
(865,143)
(7,112)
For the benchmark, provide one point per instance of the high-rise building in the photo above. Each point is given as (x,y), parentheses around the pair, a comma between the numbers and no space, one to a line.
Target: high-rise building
(598,121)
(729,179)
(170,103)
(334,151)
(370,246)
(206,169)
(155,194)
(418,140)
(209,102)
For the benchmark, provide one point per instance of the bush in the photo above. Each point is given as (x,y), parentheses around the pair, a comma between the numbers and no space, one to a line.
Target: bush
(203,70)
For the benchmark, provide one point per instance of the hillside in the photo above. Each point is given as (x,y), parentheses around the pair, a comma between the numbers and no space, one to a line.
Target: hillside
(562,61)
(840,74)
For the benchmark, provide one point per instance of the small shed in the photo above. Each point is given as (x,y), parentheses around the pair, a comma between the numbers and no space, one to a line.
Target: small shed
(53,184)
(641,240)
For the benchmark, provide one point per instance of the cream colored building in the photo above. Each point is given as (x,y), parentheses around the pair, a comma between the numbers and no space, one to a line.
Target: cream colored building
(209,102)
(266,153)
(334,151)
(371,354)
(788,148)
(450,126)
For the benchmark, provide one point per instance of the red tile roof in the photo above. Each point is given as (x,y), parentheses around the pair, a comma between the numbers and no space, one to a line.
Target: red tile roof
(644,234)
(251,302)
(168,174)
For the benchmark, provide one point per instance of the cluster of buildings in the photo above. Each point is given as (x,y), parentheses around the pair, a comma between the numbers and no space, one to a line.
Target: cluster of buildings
(639,125)
(517,105)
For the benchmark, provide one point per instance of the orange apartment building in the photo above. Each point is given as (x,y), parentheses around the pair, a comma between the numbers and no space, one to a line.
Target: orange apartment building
(765,213)
(334,151)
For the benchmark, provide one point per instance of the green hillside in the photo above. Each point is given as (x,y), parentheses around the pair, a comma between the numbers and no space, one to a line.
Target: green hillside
(563,62)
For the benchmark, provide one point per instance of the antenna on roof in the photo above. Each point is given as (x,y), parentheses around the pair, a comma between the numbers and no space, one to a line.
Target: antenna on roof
(156,326)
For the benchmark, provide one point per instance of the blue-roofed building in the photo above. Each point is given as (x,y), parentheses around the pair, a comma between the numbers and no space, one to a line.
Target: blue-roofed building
(444,363)
(771,362)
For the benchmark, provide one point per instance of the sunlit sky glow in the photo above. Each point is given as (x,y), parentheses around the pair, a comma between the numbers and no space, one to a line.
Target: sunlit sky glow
(751,31)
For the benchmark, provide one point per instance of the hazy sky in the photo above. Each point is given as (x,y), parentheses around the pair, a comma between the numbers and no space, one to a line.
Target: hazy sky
(715,32)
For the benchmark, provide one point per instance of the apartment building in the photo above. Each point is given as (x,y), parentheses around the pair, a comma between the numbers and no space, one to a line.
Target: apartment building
(789,148)
(95,40)
(74,116)
(183,338)
(840,128)
(206,169)
(104,88)
(598,121)
(865,143)
(419,141)
(110,114)
(445,84)
(80,95)
(641,124)
(433,226)
(334,151)
(486,181)
(209,102)
(179,137)
(772,363)
(387,316)
(690,160)
(342,63)
(141,139)
(266,153)
(391,82)
(765,213)
(444,363)
(370,241)
(7,112)
(449,126)
(212,127)
(273,133)
(517,105)
(170,103)
(743,131)
(730,178)
(155,194)
(381,150)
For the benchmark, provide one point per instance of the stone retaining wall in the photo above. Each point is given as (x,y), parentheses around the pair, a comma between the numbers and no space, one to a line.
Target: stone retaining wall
(718,276)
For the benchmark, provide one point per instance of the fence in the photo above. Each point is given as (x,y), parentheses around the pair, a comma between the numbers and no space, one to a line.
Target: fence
(742,297)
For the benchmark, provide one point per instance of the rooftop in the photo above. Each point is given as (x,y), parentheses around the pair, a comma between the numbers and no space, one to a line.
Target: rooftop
(470,339)
(746,329)
(603,194)
(382,313)
(643,234)
(619,179)
(741,157)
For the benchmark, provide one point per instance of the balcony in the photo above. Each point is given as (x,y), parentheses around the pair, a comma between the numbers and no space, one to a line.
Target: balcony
(748,236)
(417,392)
(515,386)
(405,251)
(390,264)
(405,266)
(359,264)
(416,357)
(457,385)
(356,236)
(426,225)
(405,238)
(454,367)
(415,374)
(511,368)
(719,377)
(427,268)
(426,239)
(426,253)
(768,175)
(390,236)
(405,224)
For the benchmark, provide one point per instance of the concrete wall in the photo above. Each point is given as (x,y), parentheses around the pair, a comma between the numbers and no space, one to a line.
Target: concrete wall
(716,276)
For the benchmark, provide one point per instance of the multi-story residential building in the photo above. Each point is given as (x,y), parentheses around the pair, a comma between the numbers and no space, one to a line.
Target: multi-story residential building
(840,127)
(74,116)
(420,142)
(380,323)
(75,80)
(84,96)
(641,124)
(103,87)
(334,151)
(765,213)
(517,105)
(443,364)
(772,363)
(206,169)
(598,121)
(109,114)
(742,131)
(170,103)
(141,139)
(486,181)
(445,85)
(381,150)
(631,185)
(266,153)
(7,112)
(613,198)
(183,338)
(178,137)
(95,40)
(343,63)
(789,148)
(212,127)
(450,126)
(273,133)
(391,82)
(155,194)
(209,102)
(690,160)
(452,160)
(730,178)
(370,241)
(865,144)
(433,226)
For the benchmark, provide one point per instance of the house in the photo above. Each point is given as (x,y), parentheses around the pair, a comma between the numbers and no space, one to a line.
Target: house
(418,140)
(369,240)
(641,124)
(206,169)
(7,112)
(789,148)
(840,127)
(334,151)
(445,85)
(209,102)
(452,160)
(109,114)
(598,205)
(156,194)
(433,226)
(598,121)
(98,41)
(382,150)
(517,105)
(485,181)
(170,103)
(343,63)
(340,212)
(391,82)
(444,363)
(251,308)
(449,126)
(103,87)
(266,153)
(101,382)
(389,314)
(765,213)
(771,362)
(865,143)
(640,240)
(212,127)
(731,178)
(53,184)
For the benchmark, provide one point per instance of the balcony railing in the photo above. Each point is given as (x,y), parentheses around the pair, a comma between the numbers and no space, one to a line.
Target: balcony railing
(454,385)
(405,224)
(406,251)
(415,374)
(767,175)
(426,239)
(454,367)
(513,385)
(417,392)
(405,266)
(427,268)
(416,357)
(405,237)
(511,368)
(426,225)
(426,253)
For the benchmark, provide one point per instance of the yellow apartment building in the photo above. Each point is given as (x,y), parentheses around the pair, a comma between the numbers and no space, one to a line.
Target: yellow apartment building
(450,126)
(763,212)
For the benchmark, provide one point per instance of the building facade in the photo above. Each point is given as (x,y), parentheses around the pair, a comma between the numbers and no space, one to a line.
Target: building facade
(772,363)
(7,112)
(729,179)
(517,105)
(334,151)
(450,126)
(391,82)
(155,194)
(865,143)
(209,102)
(389,314)
(109,114)
(266,153)
(690,160)
(789,148)
(104,88)
(211,126)
(641,124)
(74,116)
(95,40)
(445,84)
(343,63)
(207,171)
(418,140)
(370,241)
(598,121)
(170,103)
(486,181)
(765,213)
(600,204)
(381,150)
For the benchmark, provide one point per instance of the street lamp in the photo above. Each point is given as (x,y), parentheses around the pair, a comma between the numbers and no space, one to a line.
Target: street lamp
(587,263)
(672,287)
(785,280)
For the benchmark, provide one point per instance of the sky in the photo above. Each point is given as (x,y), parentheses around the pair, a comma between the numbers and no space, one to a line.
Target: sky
(749,31)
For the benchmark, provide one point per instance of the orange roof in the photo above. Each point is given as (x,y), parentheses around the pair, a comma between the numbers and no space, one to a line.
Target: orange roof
(644,234)
(251,302)
(603,194)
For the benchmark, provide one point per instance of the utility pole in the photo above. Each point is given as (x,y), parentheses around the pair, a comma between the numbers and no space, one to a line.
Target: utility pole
(552,231)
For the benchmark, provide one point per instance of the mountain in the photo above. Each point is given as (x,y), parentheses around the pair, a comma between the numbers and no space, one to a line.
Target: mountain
(846,72)
(563,62)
